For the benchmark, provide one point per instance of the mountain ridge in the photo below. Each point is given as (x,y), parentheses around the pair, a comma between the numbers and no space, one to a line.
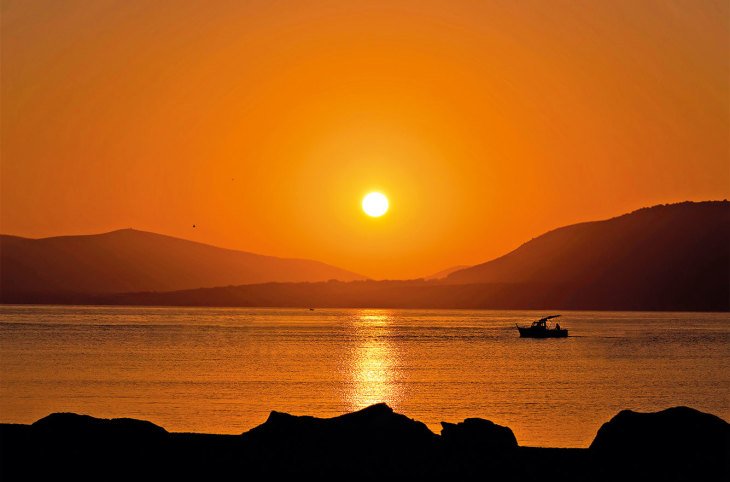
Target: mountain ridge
(132,260)
(169,237)
(672,257)
(613,250)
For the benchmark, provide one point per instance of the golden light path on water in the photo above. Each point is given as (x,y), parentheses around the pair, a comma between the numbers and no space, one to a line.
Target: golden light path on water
(373,369)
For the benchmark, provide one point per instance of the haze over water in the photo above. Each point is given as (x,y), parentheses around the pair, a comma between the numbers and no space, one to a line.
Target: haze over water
(223,370)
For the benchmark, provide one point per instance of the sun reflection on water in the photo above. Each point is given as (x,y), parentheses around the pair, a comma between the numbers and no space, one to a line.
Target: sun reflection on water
(374,365)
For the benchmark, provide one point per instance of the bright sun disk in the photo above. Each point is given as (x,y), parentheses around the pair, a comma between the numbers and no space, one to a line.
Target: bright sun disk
(375,204)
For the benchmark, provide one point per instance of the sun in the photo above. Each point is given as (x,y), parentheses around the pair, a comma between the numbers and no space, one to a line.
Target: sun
(375,204)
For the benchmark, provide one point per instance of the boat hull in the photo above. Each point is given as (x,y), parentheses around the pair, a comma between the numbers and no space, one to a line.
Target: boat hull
(541,333)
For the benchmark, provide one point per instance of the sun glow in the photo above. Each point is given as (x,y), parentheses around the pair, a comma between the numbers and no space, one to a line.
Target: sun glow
(375,204)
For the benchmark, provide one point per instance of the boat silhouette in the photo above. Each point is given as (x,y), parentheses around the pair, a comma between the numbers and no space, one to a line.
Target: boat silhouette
(540,329)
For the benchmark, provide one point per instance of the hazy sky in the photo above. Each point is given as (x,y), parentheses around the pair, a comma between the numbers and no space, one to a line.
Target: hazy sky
(264,123)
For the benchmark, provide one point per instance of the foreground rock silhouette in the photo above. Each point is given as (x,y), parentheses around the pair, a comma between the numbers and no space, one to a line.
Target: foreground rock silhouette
(675,444)
(680,443)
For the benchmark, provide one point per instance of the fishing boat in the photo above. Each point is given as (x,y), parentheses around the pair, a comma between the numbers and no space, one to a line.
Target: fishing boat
(540,329)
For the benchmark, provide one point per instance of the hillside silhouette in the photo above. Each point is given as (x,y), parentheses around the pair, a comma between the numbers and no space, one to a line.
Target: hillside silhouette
(668,257)
(131,260)
(445,272)
(673,258)
(670,247)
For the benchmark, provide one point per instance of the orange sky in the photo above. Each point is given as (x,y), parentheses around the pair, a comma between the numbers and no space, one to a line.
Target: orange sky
(264,123)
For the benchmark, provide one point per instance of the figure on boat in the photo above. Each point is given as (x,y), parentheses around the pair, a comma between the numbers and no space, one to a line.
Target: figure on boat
(540,329)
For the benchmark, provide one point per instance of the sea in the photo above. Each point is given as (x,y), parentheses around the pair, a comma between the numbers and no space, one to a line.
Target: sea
(223,370)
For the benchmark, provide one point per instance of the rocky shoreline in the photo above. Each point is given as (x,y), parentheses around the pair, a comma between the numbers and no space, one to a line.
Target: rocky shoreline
(675,444)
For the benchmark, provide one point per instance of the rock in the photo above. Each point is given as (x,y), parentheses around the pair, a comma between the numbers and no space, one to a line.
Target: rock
(477,434)
(85,425)
(375,423)
(374,440)
(679,443)
(476,447)
(678,429)
(68,446)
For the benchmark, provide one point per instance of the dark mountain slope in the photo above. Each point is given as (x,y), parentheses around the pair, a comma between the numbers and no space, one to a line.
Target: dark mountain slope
(667,250)
(130,260)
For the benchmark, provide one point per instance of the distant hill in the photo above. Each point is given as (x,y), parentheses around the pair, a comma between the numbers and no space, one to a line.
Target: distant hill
(444,273)
(677,251)
(669,257)
(131,260)
(673,257)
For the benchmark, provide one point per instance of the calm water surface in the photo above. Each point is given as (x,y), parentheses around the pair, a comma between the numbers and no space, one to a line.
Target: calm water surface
(223,370)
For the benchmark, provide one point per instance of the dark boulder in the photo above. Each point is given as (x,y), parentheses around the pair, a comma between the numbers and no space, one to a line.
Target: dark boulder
(477,434)
(675,444)
(475,447)
(374,441)
(84,447)
(87,426)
